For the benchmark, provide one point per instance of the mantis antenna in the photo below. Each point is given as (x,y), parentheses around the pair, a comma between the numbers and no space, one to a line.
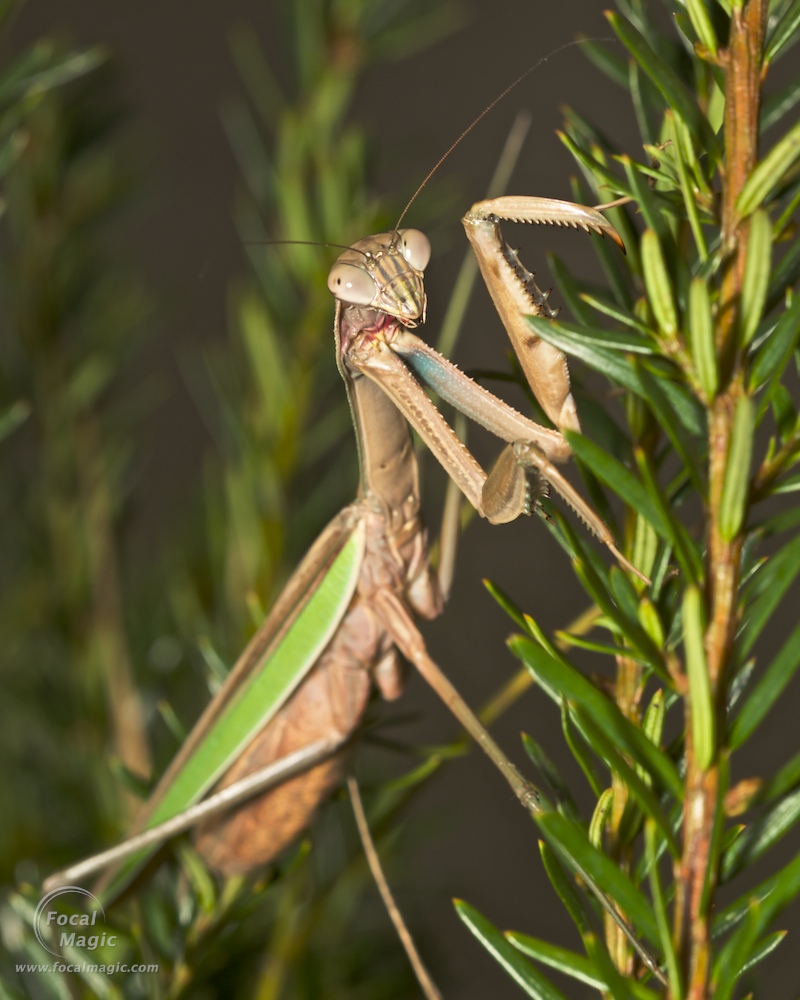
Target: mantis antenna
(490,107)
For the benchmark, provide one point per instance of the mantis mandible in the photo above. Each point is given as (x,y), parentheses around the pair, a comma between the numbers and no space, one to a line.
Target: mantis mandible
(348,610)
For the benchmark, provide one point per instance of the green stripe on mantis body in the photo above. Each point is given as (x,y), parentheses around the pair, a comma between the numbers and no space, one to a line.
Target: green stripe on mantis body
(260,695)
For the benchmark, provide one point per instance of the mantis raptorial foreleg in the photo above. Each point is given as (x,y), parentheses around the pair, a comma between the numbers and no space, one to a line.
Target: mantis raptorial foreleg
(501,495)
(514,291)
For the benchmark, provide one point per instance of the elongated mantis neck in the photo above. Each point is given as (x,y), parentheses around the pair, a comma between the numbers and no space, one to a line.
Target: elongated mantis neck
(388,470)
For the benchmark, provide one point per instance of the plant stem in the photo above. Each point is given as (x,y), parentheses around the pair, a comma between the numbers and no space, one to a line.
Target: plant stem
(742,65)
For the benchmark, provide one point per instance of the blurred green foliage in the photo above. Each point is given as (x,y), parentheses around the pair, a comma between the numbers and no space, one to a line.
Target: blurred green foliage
(68,319)
(73,622)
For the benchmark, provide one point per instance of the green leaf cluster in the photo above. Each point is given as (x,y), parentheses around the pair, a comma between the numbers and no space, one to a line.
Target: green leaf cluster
(697,337)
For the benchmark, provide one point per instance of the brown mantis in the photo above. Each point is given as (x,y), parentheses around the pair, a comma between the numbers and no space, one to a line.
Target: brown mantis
(302,684)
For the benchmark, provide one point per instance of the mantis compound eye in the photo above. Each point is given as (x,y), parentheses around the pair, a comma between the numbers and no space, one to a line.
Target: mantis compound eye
(415,247)
(351,284)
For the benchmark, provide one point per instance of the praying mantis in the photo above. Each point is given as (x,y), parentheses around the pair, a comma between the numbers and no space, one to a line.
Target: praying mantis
(300,688)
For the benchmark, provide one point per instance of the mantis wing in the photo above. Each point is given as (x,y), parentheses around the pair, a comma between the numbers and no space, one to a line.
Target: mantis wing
(288,644)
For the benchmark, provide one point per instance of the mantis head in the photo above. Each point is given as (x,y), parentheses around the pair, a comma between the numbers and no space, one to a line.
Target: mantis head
(385,272)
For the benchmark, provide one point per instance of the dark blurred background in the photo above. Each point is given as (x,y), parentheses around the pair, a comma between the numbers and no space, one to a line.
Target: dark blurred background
(174,71)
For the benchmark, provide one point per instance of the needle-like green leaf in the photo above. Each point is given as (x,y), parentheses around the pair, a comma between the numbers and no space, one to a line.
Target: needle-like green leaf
(673,89)
(737,470)
(564,885)
(784,276)
(770,172)
(767,590)
(570,841)
(618,986)
(593,166)
(776,889)
(760,836)
(633,781)
(579,748)
(575,687)
(597,824)
(701,703)
(620,622)
(612,472)
(763,950)
(569,290)
(659,284)
(671,527)
(785,33)
(779,104)
(573,341)
(606,59)
(767,691)
(730,958)
(701,22)
(661,405)
(650,621)
(784,781)
(756,275)
(521,971)
(653,723)
(505,602)
(701,337)
(774,354)
(572,964)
